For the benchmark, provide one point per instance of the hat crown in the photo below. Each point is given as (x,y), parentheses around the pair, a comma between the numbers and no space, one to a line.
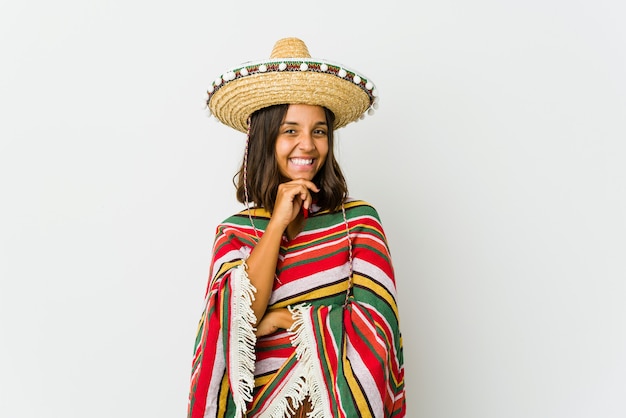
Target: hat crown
(290,48)
(290,76)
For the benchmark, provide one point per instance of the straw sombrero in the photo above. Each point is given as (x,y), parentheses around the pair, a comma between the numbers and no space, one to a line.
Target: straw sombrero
(291,76)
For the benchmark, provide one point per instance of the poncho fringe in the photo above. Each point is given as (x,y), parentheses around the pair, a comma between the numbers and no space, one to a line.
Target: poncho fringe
(303,341)
(243,340)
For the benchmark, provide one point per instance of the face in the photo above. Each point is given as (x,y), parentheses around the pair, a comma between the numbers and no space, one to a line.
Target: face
(302,142)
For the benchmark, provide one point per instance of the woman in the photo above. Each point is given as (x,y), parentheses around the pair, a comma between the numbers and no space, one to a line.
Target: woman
(300,314)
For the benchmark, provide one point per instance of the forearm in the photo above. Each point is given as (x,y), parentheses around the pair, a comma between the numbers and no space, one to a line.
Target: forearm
(262,267)
(274,320)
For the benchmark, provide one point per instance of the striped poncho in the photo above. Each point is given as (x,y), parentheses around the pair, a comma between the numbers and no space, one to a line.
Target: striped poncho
(345,357)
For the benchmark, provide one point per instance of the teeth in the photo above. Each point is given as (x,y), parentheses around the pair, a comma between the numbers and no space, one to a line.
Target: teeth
(301,161)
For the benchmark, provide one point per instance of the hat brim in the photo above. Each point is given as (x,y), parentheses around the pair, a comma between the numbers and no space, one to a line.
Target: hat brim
(235,100)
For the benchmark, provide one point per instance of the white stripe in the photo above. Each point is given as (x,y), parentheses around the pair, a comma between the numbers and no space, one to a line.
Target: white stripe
(371,270)
(210,408)
(309,282)
(311,248)
(387,326)
(271,364)
(361,372)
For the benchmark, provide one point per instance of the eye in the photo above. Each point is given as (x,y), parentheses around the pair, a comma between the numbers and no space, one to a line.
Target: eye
(320,132)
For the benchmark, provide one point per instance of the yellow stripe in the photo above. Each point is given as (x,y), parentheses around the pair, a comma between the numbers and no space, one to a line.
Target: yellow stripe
(355,203)
(377,289)
(316,294)
(359,398)
(393,376)
(263,380)
(376,231)
(306,244)
(223,396)
(262,213)
(227,266)
(324,349)
(259,212)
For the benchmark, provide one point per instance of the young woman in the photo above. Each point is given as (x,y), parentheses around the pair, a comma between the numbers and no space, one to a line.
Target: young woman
(300,313)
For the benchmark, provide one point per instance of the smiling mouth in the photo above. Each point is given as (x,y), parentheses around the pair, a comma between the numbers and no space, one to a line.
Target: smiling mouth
(301,161)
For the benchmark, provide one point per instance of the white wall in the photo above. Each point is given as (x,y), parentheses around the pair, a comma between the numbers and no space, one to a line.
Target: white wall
(495,160)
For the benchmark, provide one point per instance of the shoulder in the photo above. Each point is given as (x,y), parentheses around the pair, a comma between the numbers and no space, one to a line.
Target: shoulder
(364,220)
(357,207)
(362,214)
(243,217)
(241,221)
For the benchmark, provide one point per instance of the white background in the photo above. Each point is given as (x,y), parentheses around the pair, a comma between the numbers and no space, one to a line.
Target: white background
(496,161)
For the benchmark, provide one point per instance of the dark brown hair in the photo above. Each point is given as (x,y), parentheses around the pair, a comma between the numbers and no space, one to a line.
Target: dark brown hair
(263,176)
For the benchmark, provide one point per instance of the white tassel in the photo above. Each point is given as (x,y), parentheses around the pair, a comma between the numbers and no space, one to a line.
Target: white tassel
(290,398)
(304,342)
(306,378)
(243,343)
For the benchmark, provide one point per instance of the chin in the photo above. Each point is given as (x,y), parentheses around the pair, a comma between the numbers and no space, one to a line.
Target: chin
(297,176)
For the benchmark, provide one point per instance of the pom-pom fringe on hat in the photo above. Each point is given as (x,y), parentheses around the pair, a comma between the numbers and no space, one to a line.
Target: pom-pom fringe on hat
(290,76)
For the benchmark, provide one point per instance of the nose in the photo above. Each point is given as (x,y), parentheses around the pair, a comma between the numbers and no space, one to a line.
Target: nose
(306,142)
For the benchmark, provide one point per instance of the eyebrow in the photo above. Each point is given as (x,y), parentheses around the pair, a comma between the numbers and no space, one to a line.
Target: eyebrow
(320,123)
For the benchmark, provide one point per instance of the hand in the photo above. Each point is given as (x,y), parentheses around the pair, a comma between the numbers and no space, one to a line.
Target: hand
(274,320)
(290,197)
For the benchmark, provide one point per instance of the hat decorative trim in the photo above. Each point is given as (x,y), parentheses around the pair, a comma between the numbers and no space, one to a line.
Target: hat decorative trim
(295,79)
(295,64)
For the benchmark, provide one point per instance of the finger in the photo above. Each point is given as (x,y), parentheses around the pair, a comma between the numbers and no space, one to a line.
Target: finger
(307,202)
(311,186)
(306,183)
(298,192)
(298,201)
(297,188)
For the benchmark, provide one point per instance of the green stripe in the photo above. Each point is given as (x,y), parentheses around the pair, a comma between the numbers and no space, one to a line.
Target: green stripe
(273,348)
(325,238)
(369,248)
(271,387)
(315,259)
(335,318)
(372,298)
